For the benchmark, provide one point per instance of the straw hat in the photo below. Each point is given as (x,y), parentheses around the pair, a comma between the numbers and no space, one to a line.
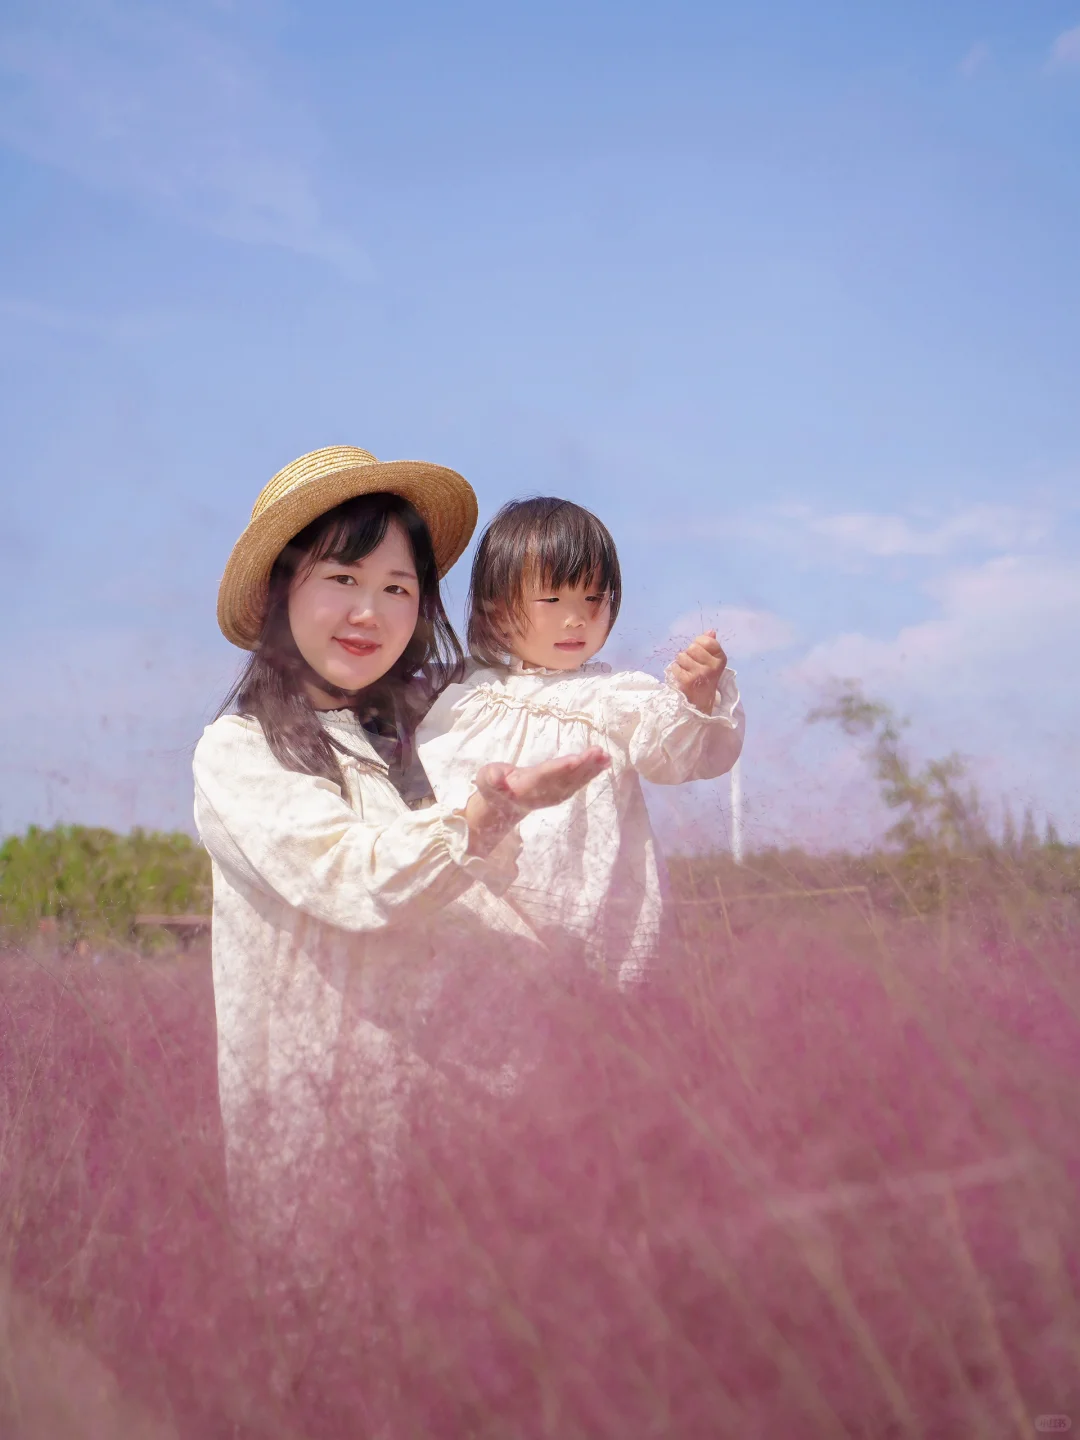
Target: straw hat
(308,488)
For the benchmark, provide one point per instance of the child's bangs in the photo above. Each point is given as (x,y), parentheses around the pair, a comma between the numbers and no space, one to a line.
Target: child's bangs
(572,548)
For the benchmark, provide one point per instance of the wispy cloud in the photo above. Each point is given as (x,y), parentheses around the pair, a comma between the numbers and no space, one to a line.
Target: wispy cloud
(854,538)
(984,526)
(1065,51)
(975,59)
(163,105)
(744,632)
(1011,617)
(860,535)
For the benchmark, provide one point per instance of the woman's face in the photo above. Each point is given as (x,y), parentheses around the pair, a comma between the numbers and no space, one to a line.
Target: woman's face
(352,622)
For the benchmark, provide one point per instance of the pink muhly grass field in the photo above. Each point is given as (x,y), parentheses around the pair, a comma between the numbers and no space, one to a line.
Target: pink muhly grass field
(817,1181)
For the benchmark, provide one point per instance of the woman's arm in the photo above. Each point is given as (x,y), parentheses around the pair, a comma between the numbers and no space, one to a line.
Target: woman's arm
(294,837)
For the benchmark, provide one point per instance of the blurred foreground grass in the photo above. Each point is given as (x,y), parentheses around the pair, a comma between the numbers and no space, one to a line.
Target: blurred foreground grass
(815,1183)
(819,1179)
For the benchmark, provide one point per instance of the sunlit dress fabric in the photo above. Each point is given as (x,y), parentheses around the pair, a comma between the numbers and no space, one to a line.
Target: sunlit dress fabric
(342,922)
(589,871)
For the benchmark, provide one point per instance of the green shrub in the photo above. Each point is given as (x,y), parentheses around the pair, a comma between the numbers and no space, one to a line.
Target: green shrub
(92,882)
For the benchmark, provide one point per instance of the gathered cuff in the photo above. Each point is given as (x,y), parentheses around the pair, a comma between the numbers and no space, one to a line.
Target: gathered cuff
(498,870)
(723,711)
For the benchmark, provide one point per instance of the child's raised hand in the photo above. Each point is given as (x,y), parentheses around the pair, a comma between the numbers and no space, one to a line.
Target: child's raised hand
(504,793)
(697,670)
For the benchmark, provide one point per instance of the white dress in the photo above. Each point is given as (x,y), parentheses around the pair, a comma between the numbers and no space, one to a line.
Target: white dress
(589,872)
(335,918)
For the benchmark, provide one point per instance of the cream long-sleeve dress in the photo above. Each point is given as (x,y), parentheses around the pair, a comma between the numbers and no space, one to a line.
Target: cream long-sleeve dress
(588,870)
(338,919)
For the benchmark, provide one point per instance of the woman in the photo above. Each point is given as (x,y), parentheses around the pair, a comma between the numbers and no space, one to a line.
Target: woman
(329,890)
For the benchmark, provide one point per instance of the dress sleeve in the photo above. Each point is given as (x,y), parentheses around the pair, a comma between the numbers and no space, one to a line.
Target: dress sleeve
(459,734)
(667,739)
(294,837)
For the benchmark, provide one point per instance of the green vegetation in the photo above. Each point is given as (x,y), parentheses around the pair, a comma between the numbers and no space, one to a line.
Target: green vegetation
(91,883)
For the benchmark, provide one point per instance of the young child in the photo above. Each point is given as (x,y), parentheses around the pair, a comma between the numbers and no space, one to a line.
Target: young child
(544,595)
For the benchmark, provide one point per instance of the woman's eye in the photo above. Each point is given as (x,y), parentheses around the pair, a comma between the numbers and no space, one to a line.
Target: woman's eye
(396,590)
(343,579)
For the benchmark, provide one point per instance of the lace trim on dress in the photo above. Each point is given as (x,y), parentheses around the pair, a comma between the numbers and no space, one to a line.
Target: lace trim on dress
(554,712)
(517,666)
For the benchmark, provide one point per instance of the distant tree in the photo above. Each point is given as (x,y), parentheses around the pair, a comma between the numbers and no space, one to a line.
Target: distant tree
(91,881)
(937,810)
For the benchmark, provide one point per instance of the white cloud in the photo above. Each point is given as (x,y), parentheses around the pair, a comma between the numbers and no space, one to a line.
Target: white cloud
(1012,616)
(992,671)
(1065,51)
(984,526)
(975,59)
(147,101)
(851,538)
(742,631)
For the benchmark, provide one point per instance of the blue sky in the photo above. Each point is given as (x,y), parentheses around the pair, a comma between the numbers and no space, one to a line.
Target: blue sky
(788,293)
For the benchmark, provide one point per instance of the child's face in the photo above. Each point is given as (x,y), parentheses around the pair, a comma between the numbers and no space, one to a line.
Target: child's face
(562,628)
(352,622)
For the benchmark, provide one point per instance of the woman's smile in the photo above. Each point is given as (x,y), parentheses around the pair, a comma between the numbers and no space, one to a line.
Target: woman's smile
(357,645)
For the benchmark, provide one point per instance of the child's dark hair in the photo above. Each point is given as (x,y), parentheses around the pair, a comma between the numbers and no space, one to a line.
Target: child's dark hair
(271,686)
(555,540)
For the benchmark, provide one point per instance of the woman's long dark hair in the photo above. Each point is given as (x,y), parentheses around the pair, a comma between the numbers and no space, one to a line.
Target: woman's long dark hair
(271,687)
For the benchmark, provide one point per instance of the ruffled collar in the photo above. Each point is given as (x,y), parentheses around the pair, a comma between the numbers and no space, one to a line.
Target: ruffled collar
(517,666)
(343,717)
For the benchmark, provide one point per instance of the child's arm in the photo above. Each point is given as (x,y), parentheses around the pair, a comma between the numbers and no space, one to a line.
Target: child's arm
(670,739)
(696,671)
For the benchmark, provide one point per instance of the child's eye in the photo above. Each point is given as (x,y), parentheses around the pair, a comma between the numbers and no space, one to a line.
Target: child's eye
(548,600)
(595,599)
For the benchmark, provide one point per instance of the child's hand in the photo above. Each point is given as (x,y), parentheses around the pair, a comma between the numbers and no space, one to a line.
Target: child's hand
(504,793)
(697,670)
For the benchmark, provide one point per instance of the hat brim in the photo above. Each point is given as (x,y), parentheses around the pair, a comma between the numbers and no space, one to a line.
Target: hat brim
(443,498)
